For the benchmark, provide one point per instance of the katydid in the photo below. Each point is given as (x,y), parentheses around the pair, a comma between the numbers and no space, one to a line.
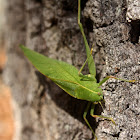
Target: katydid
(67,77)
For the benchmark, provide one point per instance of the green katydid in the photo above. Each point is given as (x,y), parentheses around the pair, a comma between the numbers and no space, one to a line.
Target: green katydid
(67,77)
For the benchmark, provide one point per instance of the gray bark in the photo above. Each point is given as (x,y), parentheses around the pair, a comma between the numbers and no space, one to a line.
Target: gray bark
(42,109)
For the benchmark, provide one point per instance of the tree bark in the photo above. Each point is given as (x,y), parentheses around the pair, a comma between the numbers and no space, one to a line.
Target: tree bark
(43,110)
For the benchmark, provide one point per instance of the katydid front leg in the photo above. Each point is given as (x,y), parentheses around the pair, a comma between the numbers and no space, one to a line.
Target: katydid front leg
(99,116)
(84,116)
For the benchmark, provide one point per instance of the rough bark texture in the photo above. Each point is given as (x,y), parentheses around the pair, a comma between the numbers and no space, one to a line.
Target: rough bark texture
(50,27)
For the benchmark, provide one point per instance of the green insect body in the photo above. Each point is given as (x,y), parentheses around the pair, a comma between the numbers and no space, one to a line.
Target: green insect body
(72,81)
(65,76)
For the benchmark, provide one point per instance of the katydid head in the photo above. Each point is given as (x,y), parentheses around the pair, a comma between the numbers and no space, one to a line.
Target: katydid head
(89,94)
(98,94)
(96,97)
(101,95)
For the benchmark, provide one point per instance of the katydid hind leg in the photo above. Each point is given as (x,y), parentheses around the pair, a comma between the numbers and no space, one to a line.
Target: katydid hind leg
(99,116)
(87,77)
(91,64)
(84,116)
(85,62)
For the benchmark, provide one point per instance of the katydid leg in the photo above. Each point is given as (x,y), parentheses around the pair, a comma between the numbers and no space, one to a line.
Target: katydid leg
(108,77)
(91,64)
(99,116)
(85,62)
(84,116)
(88,77)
